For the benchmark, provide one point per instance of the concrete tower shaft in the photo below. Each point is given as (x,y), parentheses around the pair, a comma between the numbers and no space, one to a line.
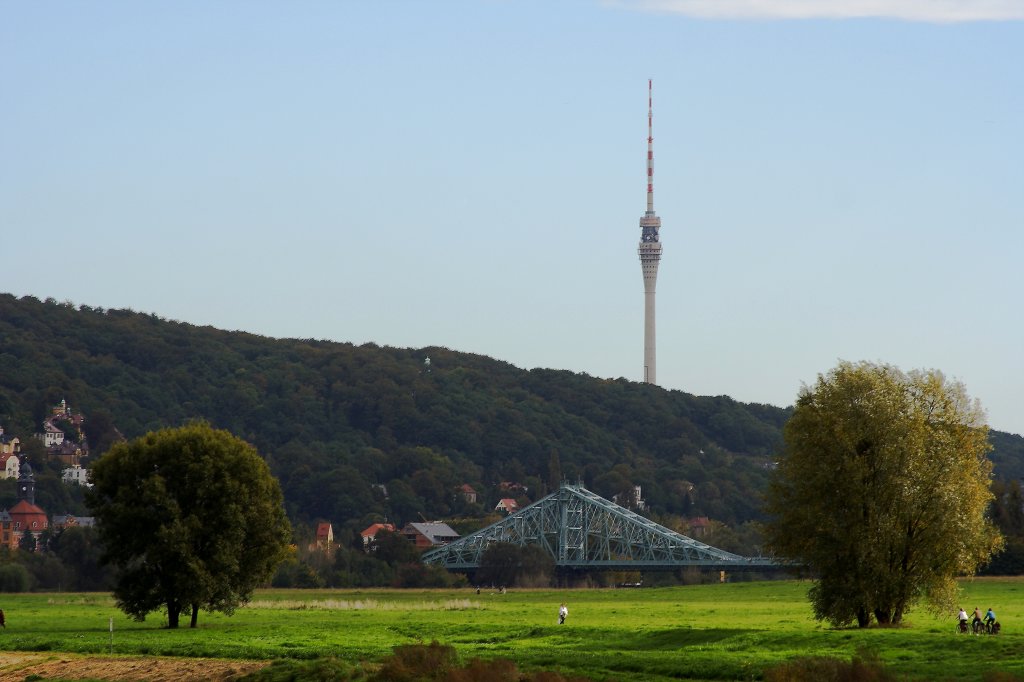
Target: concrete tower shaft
(650,252)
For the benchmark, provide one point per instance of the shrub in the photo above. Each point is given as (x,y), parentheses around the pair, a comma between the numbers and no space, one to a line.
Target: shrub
(14,578)
(416,662)
(865,666)
(427,663)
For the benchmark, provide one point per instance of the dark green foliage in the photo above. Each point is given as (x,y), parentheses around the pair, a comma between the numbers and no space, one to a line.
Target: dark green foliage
(1007,455)
(338,424)
(100,432)
(79,550)
(507,564)
(335,419)
(14,578)
(27,543)
(192,519)
(296,574)
(394,549)
(1007,513)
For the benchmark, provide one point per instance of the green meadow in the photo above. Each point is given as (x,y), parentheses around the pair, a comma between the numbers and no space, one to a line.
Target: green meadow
(728,631)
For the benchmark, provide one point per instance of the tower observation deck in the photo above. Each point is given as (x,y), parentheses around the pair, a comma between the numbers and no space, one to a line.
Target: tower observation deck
(650,252)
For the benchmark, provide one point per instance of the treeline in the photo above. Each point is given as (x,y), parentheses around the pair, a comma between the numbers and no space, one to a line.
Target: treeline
(359,434)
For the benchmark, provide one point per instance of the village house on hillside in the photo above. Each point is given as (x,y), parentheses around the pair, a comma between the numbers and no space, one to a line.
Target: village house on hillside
(9,445)
(369,534)
(324,539)
(468,493)
(699,526)
(425,535)
(507,505)
(57,443)
(24,517)
(61,521)
(76,475)
(9,465)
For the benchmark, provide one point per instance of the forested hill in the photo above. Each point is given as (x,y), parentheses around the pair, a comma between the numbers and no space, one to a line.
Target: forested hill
(357,433)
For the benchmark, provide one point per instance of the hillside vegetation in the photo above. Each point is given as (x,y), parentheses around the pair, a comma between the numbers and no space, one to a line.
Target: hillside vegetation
(359,433)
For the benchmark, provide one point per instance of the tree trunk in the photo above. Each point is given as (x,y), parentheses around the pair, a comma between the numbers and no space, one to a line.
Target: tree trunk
(884,616)
(195,615)
(863,617)
(173,611)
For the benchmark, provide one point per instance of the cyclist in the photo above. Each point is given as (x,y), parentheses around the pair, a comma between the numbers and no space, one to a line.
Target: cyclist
(963,619)
(990,618)
(976,621)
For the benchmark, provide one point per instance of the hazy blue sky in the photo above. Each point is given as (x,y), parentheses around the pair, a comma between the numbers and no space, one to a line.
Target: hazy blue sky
(833,184)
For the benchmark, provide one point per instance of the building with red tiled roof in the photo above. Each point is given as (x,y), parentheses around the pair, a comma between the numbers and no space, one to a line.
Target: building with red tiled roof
(699,526)
(324,537)
(370,533)
(25,517)
(507,505)
(468,493)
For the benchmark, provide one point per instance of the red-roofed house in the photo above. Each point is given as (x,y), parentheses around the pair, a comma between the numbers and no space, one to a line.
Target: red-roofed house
(371,532)
(699,526)
(507,505)
(25,518)
(468,493)
(324,537)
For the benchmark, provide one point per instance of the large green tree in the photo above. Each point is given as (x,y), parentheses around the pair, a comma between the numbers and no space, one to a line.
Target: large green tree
(882,490)
(191,517)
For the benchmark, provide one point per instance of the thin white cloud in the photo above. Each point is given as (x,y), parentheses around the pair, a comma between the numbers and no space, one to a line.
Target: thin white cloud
(936,11)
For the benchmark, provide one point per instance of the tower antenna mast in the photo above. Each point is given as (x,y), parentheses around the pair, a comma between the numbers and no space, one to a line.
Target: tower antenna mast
(650,148)
(650,251)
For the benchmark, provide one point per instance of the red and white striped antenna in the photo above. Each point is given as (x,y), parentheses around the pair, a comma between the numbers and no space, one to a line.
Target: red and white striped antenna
(650,149)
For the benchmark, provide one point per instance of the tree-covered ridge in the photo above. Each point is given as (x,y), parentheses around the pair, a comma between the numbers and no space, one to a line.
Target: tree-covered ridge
(357,433)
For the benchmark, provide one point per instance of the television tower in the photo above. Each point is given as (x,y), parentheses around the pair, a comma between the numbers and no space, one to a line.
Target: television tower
(650,251)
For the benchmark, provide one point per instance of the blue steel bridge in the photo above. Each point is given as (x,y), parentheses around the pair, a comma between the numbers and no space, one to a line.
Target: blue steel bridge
(585,532)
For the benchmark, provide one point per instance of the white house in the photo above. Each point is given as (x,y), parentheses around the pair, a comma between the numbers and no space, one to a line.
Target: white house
(10,465)
(76,474)
(51,435)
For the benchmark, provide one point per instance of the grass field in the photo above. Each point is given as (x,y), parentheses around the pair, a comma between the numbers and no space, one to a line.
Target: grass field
(704,632)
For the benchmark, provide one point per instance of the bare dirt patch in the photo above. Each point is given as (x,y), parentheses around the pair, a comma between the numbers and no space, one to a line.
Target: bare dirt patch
(16,666)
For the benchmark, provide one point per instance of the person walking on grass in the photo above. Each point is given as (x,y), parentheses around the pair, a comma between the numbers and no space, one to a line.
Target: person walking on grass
(563,611)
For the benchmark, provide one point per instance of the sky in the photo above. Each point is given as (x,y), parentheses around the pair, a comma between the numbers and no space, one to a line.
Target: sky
(836,179)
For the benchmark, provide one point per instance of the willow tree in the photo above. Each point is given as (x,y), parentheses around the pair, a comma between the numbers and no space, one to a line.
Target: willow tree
(882,492)
(191,517)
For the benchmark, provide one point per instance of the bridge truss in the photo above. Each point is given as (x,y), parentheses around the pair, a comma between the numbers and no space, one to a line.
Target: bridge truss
(583,531)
